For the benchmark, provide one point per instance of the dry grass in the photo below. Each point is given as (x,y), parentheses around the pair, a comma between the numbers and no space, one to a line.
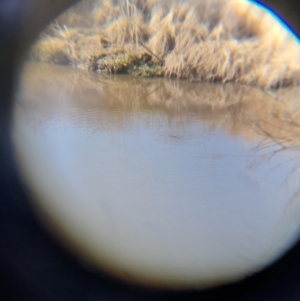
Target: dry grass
(208,40)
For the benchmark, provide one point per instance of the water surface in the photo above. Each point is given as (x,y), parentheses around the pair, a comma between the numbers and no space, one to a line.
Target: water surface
(163,183)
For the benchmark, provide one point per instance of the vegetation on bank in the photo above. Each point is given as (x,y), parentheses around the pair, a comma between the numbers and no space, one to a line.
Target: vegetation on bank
(208,41)
(125,63)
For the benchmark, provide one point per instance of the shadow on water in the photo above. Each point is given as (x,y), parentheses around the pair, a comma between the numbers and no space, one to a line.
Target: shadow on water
(160,176)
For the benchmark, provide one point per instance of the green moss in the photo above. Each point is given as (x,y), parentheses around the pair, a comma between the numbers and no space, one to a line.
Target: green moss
(144,70)
(124,63)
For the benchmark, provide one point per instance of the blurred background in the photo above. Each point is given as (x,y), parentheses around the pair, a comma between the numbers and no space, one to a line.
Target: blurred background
(288,10)
(32,265)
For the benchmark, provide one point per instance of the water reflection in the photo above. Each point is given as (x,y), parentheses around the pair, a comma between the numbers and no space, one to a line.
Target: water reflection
(161,182)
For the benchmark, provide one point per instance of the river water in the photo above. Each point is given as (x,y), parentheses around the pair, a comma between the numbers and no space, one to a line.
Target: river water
(164,183)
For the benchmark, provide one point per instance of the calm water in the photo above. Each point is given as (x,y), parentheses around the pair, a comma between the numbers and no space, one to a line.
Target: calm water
(160,182)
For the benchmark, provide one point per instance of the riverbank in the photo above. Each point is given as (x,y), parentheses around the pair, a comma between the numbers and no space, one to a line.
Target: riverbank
(208,41)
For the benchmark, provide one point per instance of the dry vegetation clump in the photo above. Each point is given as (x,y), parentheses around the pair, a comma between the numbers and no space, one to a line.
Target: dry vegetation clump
(208,40)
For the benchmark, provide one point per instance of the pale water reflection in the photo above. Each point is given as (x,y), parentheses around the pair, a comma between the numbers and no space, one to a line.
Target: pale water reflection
(163,183)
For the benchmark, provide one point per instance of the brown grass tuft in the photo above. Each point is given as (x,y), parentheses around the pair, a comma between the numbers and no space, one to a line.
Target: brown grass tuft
(208,40)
